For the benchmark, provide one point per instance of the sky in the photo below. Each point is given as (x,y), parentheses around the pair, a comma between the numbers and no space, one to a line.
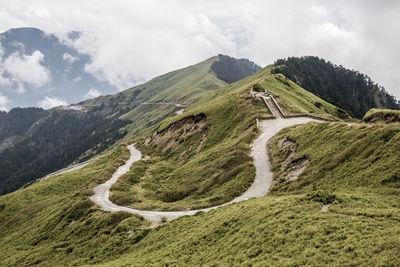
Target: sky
(130,42)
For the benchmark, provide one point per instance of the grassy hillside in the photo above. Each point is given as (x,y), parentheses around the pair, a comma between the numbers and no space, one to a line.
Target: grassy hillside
(53,222)
(342,157)
(286,230)
(382,115)
(201,158)
(352,168)
(295,100)
(198,159)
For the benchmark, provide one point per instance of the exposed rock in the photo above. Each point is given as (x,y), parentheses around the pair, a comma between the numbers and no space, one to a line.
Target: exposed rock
(291,169)
(179,131)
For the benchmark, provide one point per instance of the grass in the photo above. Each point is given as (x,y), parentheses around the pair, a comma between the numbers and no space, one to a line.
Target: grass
(382,115)
(206,165)
(296,100)
(290,230)
(342,156)
(354,169)
(53,222)
(183,178)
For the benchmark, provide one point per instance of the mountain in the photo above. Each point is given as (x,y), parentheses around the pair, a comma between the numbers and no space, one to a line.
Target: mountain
(35,65)
(348,89)
(201,158)
(334,198)
(230,70)
(35,142)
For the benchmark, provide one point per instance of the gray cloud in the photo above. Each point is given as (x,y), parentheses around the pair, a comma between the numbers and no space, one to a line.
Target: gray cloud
(4,101)
(131,41)
(51,102)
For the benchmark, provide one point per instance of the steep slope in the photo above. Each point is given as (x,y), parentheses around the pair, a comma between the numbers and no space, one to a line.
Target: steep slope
(295,100)
(16,123)
(348,89)
(62,136)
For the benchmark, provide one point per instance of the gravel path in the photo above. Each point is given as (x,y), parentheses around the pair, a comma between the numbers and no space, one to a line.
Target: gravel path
(260,186)
(68,169)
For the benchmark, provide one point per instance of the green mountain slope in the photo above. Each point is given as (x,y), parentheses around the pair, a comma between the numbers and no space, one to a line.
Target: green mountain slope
(348,89)
(201,158)
(342,210)
(342,157)
(206,166)
(33,146)
(288,230)
(295,100)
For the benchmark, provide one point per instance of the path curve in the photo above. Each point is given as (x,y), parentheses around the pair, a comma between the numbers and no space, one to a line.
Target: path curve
(260,186)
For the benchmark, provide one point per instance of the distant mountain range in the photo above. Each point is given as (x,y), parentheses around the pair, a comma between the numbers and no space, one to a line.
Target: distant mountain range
(38,69)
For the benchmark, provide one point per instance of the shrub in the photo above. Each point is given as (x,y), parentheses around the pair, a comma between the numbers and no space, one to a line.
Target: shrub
(322,196)
(258,88)
(317,104)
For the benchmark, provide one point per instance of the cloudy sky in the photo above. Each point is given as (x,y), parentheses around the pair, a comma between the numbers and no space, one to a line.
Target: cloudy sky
(130,42)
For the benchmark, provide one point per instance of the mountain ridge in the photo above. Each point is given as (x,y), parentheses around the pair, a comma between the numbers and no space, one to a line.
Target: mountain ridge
(345,88)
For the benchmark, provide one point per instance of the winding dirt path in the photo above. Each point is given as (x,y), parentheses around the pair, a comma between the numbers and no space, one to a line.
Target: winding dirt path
(260,186)
(68,169)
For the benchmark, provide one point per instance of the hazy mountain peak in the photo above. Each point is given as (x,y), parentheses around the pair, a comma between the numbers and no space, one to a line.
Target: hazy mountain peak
(230,69)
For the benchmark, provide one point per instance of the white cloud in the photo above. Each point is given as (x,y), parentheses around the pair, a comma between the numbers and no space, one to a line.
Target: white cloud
(77,79)
(131,41)
(20,46)
(51,102)
(92,93)
(69,58)
(27,68)
(3,102)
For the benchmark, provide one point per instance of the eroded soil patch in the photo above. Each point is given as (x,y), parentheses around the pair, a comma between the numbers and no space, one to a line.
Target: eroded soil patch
(290,168)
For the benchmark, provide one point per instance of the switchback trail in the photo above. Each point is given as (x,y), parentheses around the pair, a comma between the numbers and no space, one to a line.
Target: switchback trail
(260,186)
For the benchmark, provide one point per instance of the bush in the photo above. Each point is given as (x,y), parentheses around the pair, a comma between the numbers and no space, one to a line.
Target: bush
(322,196)
(317,104)
(123,198)
(164,219)
(258,88)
